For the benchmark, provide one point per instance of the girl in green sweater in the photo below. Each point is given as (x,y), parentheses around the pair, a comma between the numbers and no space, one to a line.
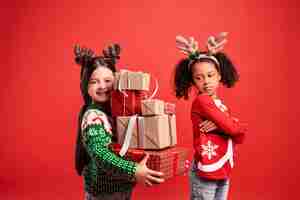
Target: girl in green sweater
(106,175)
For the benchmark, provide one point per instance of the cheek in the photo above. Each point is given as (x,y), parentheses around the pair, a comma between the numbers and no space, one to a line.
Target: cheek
(217,80)
(198,84)
(110,85)
(91,90)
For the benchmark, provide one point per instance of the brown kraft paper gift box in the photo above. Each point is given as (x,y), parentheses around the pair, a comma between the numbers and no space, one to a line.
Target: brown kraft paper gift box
(148,132)
(129,80)
(152,107)
(121,80)
(172,129)
(156,131)
(122,124)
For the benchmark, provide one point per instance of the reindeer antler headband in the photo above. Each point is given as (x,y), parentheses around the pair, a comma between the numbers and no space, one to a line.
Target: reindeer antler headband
(87,58)
(190,47)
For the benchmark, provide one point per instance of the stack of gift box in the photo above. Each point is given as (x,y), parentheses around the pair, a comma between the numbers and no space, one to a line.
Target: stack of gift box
(146,125)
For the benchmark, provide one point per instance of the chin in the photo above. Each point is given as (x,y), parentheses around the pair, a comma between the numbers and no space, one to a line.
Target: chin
(102,99)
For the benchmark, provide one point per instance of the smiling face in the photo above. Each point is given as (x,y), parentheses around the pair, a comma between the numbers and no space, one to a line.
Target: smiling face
(206,78)
(101,84)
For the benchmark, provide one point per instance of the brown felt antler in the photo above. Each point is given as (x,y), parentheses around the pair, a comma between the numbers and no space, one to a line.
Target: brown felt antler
(83,55)
(112,53)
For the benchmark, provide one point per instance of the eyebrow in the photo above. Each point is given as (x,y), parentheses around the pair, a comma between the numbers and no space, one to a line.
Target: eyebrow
(198,75)
(211,72)
(105,78)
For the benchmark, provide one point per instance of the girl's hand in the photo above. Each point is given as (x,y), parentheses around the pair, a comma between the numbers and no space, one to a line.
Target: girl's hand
(147,176)
(207,126)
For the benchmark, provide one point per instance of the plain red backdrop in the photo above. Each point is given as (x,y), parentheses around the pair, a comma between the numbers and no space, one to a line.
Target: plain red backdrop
(40,87)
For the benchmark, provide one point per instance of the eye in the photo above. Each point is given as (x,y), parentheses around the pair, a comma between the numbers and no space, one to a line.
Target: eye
(199,78)
(211,75)
(92,82)
(108,80)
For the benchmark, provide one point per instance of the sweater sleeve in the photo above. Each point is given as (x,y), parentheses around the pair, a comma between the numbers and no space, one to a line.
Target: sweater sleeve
(96,134)
(205,107)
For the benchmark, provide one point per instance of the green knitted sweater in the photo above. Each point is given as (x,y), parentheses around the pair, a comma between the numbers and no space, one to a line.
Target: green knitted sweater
(106,172)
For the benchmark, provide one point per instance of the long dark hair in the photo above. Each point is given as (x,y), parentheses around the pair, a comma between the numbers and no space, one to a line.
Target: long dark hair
(88,61)
(183,79)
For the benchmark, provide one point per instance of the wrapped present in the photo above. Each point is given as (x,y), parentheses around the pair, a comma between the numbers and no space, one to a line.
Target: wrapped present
(170,108)
(180,157)
(129,80)
(121,80)
(127,102)
(135,155)
(156,131)
(138,81)
(152,107)
(136,139)
(147,132)
(170,161)
(172,129)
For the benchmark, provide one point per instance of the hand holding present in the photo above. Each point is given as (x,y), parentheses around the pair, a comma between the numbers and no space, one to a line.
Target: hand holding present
(147,176)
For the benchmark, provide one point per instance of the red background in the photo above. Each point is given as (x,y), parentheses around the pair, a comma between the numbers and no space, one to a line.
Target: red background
(40,86)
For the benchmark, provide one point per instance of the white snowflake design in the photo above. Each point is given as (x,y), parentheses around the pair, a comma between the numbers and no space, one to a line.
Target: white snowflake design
(209,149)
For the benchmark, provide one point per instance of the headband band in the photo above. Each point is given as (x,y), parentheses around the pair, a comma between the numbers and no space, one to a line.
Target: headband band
(198,56)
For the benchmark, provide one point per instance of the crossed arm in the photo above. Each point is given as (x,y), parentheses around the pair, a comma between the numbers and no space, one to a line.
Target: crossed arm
(216,119)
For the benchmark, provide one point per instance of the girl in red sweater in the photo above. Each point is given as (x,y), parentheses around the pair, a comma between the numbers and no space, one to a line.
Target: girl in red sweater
(215,131)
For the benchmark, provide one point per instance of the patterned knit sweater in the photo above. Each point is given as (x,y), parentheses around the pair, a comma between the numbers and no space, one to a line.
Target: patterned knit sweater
(106,172)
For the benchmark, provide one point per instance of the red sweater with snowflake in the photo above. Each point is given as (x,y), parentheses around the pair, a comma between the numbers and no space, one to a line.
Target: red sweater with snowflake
(214,151)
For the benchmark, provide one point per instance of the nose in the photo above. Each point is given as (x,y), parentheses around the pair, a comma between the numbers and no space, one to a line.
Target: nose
(101,85)
(205,80)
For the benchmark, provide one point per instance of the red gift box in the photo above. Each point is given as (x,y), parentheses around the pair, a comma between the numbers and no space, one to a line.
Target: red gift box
(170,161)
(127,102)
(135,155)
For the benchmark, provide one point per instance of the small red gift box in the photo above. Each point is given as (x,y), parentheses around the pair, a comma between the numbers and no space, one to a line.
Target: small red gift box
(127,102)
(170,108)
